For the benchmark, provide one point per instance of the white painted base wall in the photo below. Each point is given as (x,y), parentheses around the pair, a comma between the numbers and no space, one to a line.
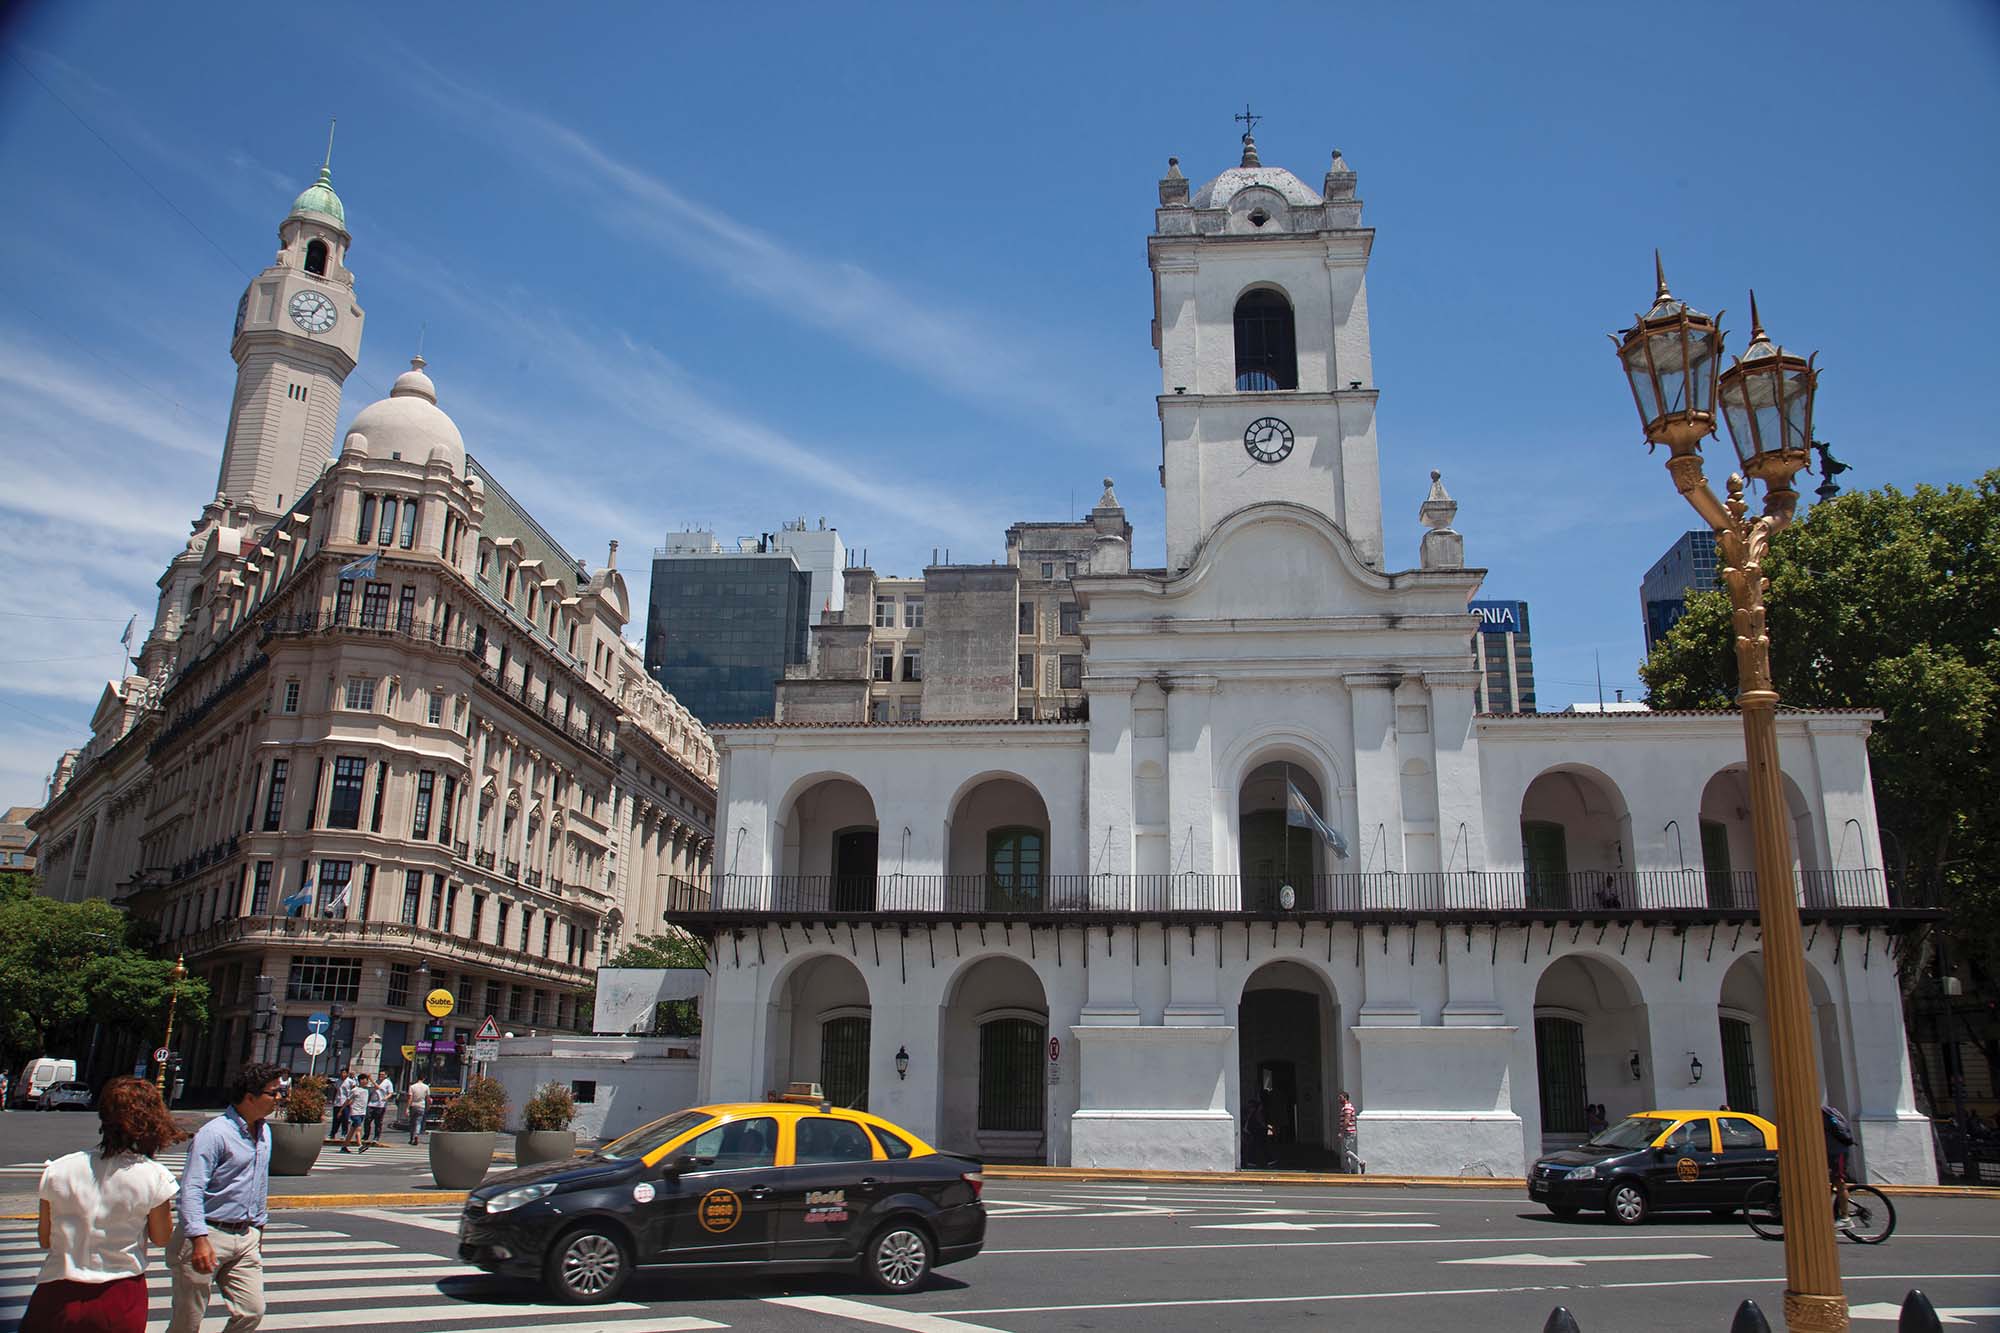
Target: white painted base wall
(1896,1150)
(638,1079)
(1154,1140)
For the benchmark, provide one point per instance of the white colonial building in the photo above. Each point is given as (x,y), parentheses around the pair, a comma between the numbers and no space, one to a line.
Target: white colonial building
(1093,940)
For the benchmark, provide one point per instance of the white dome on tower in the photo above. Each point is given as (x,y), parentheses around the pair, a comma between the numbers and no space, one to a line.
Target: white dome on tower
(410,425)
(1218,192)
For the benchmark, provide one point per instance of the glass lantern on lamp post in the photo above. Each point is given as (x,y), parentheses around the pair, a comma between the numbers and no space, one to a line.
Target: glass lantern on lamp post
(1672,357)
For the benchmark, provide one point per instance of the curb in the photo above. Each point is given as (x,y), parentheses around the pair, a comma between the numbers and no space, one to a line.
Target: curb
(1251,1178)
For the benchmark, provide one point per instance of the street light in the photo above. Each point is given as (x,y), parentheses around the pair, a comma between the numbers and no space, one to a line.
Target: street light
(1672,356)
(174,978)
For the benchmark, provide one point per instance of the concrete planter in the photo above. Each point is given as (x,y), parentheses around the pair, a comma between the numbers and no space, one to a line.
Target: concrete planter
(294,1148)
(543,1145)
(459,1159)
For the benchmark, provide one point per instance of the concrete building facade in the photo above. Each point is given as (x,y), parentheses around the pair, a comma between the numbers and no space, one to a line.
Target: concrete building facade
(1686,566)
(723,623)
(1095,938)
(385,735)
(1504,656)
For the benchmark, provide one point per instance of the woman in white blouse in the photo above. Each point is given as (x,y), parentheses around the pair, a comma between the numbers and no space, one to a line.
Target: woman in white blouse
(98,1210)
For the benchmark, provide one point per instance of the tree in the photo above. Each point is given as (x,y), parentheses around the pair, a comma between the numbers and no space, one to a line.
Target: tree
(1884,600)
(66,965)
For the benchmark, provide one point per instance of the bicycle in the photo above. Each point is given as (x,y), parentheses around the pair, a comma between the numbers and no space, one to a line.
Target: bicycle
(1869,1219)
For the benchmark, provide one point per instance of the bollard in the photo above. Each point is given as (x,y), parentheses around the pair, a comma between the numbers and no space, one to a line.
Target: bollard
(1919,1315)
(1561,1321)
(1749,1319)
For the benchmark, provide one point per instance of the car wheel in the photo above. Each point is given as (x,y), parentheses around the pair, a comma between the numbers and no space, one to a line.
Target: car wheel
(587,1265)
(1626,1204)
(1563,1209)
(897,1259)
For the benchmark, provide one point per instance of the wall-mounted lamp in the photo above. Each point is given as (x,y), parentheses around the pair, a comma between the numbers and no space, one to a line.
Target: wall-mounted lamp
(1694,1068)
(1638,1072)
(902,1062)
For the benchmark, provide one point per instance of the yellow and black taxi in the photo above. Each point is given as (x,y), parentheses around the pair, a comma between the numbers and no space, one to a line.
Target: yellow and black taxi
(793,1185)
(1659,1161)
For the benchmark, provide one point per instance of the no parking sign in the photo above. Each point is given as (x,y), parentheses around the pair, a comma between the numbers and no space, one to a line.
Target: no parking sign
(1055,1060)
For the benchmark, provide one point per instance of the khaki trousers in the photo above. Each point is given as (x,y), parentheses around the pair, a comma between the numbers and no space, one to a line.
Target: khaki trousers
(239,1271)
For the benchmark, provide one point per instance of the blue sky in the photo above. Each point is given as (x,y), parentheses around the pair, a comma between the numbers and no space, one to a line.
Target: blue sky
(886,265)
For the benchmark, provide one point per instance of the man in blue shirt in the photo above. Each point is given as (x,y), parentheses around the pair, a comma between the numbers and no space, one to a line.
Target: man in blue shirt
(218,1238)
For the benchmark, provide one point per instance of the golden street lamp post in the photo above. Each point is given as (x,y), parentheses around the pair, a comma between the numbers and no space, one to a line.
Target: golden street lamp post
(1673,356)
(174,979)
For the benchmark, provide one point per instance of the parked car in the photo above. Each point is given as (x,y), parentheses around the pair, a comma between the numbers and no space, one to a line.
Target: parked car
(65,1097)
(787,1186)
(38,1075)
(1659,1161)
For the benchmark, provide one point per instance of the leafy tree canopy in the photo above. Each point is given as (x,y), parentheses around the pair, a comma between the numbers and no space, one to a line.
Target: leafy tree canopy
(1886,600)
(63,965)
(675,950)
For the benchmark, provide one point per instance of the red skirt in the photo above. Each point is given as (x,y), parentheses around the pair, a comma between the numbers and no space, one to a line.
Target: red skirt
(87,1307)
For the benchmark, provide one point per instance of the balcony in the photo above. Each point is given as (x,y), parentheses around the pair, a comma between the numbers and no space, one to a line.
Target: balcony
(483,859)
(321,933)
(512,870)
(1468,896)
(532,878)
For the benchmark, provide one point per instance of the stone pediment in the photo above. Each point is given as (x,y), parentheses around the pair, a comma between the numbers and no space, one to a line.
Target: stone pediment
(1278,562)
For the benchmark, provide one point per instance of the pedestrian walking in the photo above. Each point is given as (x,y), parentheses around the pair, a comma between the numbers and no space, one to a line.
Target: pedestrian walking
(1350,1136)
(224,1203)
(357,1114)
(1256,1134)
(418,1095)
(98,1210)
(3,1090)
(343,1106)
(379,1098)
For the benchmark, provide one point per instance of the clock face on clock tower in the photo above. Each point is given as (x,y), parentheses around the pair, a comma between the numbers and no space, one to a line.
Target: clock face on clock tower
(1268,440)
(311,311)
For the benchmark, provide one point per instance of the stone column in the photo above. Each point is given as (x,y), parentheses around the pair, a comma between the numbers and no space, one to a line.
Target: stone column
(1461,818)
(1191,791)
(1112,816)
(1378,782)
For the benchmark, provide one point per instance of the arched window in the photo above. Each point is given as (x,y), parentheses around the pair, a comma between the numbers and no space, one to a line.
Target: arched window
(1010,1075)
(1545,858)
(316,253)
(843,1061)
(1014,869)
(1559,1070)
(1267,352)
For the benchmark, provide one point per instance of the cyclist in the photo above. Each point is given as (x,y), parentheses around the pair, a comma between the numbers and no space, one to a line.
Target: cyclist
(1839,1138)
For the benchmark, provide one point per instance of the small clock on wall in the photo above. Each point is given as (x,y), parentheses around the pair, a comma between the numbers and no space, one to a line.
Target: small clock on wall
(311,311)
(1268,440)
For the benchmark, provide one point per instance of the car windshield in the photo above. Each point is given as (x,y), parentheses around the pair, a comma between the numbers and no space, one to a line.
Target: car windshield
(659,1134)
(1634,1131)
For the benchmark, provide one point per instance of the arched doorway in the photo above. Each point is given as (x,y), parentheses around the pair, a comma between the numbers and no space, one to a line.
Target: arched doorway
(1287,1054)
(1729,850)
(998,841)
(831,847)
(1576,842)
(993,1038)
(1743,1018)
(1592,1045)
(820,1031)
(1273,853)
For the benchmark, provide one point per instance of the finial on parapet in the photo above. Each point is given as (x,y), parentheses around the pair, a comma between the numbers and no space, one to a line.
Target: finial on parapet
(1442,547)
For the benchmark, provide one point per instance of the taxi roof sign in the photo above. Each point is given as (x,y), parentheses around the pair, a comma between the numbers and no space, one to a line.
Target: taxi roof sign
(488,1030)
(807,1093)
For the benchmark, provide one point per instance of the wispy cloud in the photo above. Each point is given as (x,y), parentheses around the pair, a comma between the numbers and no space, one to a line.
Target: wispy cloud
(950,349)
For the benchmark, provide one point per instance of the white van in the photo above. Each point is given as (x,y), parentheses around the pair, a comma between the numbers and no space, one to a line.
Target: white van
(38,1075)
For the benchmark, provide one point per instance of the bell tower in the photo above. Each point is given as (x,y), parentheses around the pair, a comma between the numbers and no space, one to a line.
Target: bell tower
(297,337)
(1260,317)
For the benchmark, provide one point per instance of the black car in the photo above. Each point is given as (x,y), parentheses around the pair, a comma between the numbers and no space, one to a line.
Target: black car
(1659,1161)
(773,1185)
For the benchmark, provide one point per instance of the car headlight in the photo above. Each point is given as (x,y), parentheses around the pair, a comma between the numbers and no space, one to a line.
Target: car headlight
(512,1199)
(1580,1173)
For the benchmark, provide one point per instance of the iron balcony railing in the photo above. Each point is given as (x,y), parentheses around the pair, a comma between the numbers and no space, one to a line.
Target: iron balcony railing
(685,895)
(1384,894)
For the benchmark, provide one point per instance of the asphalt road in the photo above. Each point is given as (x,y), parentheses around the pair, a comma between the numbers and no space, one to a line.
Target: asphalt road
(1200,1258)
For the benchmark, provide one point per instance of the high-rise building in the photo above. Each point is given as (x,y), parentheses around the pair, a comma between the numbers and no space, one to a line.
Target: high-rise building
(1688,566)
(723,622)
(1506,661)
(385,738)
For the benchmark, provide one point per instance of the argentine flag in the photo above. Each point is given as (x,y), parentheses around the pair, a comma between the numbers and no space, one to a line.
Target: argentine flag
(1300,814)
(362,567)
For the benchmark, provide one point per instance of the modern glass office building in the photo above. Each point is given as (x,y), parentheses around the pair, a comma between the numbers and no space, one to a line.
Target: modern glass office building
(1505,660)
(1688,566)
(722,625)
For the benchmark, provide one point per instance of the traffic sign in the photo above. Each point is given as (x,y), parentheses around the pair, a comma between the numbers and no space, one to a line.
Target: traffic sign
(314,1044)
(438,1003)
(319,1022)
(488,1030)
(160,1054)
(485,1050)
(1055,1048)
(409,1052)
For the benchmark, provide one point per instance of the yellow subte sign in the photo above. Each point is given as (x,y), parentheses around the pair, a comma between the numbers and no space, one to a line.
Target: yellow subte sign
(438,1003)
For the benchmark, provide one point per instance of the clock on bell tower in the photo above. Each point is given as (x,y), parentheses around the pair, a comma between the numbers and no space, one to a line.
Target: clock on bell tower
(297,337)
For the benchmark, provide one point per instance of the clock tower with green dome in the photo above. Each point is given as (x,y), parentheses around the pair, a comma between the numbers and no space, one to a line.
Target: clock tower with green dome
(297,337)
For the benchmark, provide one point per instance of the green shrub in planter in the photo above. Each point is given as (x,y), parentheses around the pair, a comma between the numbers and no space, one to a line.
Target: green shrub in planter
(307,1104)
(480,1109)
(552,1107)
